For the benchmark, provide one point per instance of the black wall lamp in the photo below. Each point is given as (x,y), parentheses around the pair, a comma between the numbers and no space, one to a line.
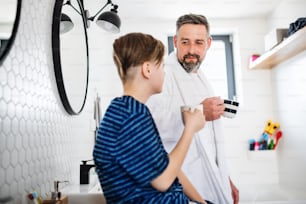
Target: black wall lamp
(108,20)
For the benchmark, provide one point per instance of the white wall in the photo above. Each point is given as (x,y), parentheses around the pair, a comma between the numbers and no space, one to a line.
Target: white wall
(39,141)
(289,81)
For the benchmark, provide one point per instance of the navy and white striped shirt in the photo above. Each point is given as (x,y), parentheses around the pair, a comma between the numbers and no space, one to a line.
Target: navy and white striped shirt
(129,154)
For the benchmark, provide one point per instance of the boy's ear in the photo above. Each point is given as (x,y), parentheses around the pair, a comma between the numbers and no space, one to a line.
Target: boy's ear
(146,70)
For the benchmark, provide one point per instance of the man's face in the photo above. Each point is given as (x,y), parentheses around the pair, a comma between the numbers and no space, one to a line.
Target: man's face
(192,42)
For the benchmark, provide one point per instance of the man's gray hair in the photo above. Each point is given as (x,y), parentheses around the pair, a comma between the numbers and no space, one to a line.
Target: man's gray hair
(192,19)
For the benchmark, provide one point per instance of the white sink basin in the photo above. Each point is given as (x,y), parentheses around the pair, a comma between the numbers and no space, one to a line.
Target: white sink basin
(88,198)
(84,194)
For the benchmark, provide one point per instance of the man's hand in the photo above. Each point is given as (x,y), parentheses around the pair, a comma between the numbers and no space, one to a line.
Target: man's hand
(213,108)
(235,192)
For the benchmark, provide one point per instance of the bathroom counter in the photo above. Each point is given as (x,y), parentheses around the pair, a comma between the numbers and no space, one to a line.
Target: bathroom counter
(82,189)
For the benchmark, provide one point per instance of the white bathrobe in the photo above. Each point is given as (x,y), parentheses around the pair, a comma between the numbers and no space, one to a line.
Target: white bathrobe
(205,163)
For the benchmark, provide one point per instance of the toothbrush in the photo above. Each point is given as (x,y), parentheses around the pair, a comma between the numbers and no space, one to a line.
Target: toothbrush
(278,136)
(34,197)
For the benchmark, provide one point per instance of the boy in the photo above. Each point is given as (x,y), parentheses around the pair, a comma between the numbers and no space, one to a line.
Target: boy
(131,162)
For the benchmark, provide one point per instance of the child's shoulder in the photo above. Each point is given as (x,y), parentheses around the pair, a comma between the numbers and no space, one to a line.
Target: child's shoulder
(127,105)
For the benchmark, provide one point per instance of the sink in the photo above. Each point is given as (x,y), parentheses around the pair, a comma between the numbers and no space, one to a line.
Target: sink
(84,194)
(86,198)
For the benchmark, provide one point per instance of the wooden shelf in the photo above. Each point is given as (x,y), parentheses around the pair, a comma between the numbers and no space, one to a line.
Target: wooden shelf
(290,47)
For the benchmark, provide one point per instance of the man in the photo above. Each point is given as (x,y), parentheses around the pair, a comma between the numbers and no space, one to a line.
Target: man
(185,84)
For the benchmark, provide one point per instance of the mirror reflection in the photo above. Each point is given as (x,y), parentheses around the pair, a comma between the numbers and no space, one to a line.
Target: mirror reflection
(9,19)
(70,53)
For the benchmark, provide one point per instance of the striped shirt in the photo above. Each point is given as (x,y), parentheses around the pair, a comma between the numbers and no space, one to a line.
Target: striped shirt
(129,154)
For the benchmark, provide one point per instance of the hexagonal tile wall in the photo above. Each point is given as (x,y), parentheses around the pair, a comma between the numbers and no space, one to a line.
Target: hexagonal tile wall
(33,123)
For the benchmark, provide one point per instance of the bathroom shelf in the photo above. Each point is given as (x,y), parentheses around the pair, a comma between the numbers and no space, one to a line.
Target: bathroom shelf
(262,155)
(290,47)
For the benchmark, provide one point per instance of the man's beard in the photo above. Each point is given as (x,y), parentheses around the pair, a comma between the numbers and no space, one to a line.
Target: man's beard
(191,66)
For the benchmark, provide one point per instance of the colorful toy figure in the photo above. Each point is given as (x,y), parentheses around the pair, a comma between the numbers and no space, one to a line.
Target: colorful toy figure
(269,138)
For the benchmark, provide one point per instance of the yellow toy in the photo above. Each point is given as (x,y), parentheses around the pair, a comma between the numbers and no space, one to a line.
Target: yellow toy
(271,127)
(268,137)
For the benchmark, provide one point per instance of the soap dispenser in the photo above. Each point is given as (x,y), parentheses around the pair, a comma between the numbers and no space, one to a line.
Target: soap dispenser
(56,195)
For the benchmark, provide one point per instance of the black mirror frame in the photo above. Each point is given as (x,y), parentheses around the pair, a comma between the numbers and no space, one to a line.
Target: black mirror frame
(14,33)
(57,56)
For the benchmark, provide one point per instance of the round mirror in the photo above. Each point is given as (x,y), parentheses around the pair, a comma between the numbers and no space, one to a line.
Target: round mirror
(9,20)
(70,54)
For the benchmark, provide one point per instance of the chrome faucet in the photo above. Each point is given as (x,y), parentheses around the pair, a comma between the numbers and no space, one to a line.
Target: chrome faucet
(84,172)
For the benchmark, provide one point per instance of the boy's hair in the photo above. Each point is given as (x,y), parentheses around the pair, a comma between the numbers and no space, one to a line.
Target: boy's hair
(134,49)
(192,19)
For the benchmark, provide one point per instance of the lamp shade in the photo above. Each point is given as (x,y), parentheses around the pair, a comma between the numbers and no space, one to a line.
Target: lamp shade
(66,23)
(109,21)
